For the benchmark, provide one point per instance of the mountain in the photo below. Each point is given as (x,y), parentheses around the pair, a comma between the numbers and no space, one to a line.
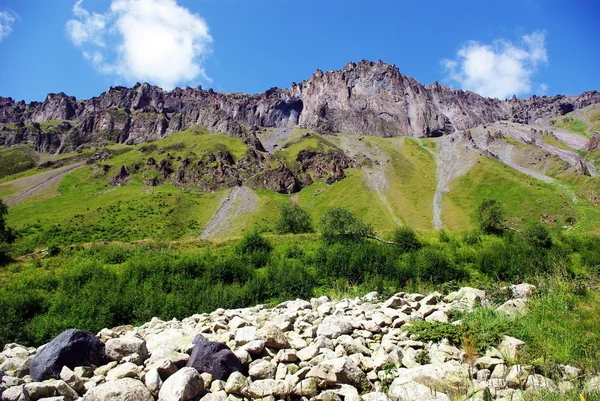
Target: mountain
(366,99)
(138,163)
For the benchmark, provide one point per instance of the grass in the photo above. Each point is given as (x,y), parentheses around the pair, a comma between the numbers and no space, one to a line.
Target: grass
(553,141)
(289,151)
(573,337)
(516,143)
(320,197)
(524,198)
(412,180)
(15,160)
(572,124)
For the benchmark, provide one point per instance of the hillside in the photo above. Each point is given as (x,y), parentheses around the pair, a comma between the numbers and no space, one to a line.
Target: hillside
(366,138)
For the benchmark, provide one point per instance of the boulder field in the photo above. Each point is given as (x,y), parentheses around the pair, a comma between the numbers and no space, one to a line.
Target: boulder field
(323,350)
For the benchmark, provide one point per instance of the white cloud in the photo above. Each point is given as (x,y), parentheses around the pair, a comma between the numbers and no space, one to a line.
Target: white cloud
(156,41)
(501,69)
(7,19)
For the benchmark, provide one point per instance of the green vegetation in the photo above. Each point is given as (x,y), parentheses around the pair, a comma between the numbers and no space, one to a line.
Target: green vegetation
(339,224)
(480,330)
(15,160)
(524,199)
(293,220)
(6,234)
(553,141)
(411,178)
(571,124)
(490,216)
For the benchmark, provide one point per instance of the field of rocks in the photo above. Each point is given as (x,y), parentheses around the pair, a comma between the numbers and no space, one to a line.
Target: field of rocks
(349,350)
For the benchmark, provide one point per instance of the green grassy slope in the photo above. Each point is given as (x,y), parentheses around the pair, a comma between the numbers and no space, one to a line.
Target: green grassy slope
(84,207)
(16,160)
(412,177)
(524,198)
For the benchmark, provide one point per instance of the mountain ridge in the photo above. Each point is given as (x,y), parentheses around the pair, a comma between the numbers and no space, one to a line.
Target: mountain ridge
(364,98)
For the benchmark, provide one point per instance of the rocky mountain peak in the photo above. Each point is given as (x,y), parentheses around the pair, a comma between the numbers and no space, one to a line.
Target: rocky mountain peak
(364,98)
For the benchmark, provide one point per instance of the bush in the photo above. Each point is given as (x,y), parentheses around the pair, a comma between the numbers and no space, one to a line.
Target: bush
(254,249)
(406,239)
(293,220)
(490,216)
(538,236)
(340,224)
(435,266)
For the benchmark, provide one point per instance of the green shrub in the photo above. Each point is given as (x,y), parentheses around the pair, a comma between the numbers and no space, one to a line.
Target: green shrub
(482,329)
(490,216)
(293,220)
(254,249)
(435,266)
(406,239)
(340,224)
(435,331)
(537,235)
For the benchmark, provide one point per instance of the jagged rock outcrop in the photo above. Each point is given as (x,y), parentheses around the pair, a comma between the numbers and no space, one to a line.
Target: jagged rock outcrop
(363,98)
(594,142)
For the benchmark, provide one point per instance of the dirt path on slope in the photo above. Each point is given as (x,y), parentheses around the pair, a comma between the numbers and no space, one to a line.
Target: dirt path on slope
(374,176)
(34,184)
(454,159)
(238,202)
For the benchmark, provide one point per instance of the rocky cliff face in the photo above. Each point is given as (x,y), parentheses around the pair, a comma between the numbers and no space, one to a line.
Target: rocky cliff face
(365,98)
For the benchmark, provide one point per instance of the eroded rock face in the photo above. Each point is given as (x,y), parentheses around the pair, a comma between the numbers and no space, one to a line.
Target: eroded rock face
(362,98)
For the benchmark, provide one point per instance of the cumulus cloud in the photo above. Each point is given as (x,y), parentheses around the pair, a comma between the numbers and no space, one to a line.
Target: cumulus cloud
(501,69)
(156,41)
(7,19)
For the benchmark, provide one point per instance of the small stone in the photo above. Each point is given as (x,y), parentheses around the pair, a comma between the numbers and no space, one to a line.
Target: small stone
(84,371)
(69,377)
(122,347)
(127,369)
(509,347)
(66,391)
(122,389)
(254,348)
(261,369)
(103,370)
(153,381)
(517,376)
(183,385)
(165,368)
(437,316)
(35,391)
(286,356)
(268,387)
(306,388)
(273,336)
(236,384)
(487,362)
(483,375)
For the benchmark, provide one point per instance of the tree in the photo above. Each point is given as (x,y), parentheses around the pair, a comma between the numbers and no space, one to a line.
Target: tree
(6,234)
(340,224)
(406,239)
(538,236)
(293,220)
(490,216)
(3,213)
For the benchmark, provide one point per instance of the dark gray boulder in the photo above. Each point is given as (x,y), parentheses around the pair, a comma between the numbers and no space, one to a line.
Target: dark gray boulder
(213,357)
(70,348)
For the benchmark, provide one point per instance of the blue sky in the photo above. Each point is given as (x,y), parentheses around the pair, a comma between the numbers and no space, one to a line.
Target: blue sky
(493,47)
